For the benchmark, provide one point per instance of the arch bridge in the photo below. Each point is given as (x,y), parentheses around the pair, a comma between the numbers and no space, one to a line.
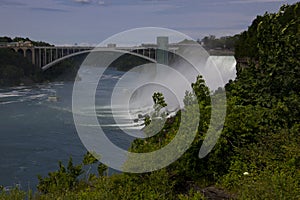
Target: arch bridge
(47,56)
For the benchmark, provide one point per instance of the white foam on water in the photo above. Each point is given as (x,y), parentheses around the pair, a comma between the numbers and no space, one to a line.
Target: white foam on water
(38,96)
(5,95)
(8,102)
(121,125)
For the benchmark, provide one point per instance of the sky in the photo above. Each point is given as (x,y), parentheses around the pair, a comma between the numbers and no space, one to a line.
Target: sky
(89,22)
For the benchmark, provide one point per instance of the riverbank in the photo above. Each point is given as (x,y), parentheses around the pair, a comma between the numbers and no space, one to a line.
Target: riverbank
(15,70)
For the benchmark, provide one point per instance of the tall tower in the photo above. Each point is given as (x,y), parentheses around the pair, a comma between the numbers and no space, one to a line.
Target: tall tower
(162,51)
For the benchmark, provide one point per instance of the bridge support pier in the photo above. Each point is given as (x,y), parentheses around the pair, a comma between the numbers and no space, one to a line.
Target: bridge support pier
(27,52)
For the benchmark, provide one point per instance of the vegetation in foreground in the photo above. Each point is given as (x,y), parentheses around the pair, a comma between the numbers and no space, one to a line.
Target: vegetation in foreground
(257,155)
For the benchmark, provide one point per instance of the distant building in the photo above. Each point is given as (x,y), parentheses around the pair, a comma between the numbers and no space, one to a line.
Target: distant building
(16,44)
(111,45)
(24,44)
(12,44)
(27,44)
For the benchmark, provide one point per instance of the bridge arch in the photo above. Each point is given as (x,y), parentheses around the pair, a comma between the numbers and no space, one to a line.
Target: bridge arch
(29,54)
(21,52)
(49,65)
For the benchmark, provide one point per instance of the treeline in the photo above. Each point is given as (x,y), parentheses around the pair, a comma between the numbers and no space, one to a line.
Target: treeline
(246,43)
(284,24)
(16,70)
(258,153)
(222,43)
(6,39)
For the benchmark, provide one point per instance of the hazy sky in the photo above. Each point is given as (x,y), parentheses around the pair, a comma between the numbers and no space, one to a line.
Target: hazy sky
(91,21)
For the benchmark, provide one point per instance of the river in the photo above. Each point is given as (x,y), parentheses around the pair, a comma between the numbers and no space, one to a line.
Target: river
(36,131)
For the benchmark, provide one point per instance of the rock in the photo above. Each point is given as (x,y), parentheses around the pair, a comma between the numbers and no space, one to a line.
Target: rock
(140,116)
(213,193)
